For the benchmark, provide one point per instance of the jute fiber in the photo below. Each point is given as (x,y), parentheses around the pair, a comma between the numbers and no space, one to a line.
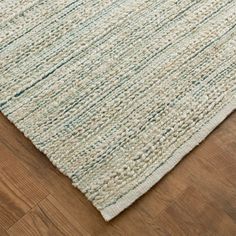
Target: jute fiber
(116,92)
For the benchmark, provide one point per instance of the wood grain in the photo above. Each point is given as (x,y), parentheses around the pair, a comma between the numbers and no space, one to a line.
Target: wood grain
(197,198)
(19,190)
(48,217)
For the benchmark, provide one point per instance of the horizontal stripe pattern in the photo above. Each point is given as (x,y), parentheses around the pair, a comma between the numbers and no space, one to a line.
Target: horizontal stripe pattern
(109,90)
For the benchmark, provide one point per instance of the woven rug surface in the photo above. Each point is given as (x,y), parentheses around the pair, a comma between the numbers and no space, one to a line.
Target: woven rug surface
(116,92)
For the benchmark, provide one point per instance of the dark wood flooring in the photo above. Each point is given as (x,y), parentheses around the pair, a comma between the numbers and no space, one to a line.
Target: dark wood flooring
(197,198)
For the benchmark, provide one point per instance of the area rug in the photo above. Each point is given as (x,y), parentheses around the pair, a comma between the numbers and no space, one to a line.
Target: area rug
(116,92)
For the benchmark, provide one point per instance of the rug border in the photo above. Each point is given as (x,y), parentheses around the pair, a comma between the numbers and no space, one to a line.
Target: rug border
(111,211)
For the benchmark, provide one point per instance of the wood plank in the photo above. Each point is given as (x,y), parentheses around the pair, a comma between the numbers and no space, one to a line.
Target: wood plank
(192,214)
(47,218)
(57,184)
(200,192)
(19,190)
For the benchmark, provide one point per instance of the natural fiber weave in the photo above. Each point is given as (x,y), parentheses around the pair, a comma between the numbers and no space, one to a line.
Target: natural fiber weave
(116,92)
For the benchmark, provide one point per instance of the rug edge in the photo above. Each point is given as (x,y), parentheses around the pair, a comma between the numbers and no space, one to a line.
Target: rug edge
(112,211)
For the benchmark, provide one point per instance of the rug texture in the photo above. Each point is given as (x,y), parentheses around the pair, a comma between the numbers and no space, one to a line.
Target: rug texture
(116,92)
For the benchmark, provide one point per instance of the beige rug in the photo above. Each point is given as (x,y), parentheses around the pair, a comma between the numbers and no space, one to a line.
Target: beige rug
(116,92)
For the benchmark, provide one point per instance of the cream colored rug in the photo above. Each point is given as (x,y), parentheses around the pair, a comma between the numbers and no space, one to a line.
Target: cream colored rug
(116,92)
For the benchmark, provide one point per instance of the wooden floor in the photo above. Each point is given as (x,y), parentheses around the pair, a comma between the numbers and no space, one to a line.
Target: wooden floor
(197,198)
